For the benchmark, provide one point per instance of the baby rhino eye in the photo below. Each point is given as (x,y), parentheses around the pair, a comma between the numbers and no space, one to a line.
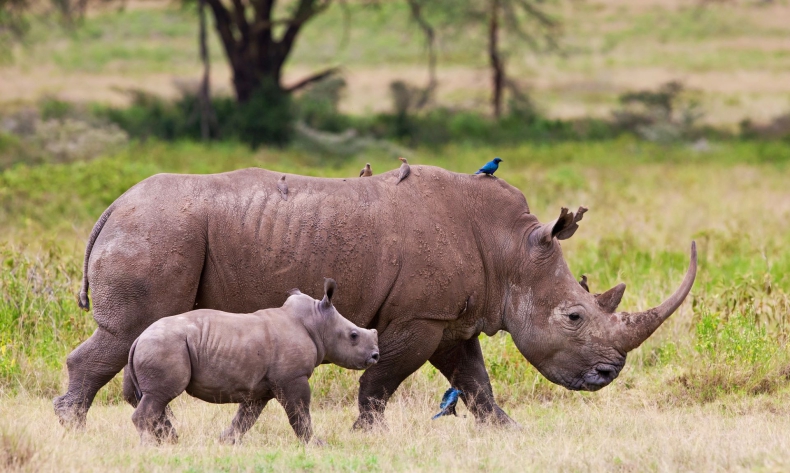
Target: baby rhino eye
(574,316)
(354,335)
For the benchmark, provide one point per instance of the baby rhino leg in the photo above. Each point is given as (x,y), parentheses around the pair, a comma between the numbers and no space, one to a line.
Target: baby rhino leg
(162,373)
(152,422)
(295,399)
(245,418)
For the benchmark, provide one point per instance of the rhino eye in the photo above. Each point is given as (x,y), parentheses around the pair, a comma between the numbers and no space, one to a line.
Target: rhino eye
(354,335)
(574,317)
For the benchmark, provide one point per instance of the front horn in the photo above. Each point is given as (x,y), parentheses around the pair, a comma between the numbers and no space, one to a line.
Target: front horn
(635,328)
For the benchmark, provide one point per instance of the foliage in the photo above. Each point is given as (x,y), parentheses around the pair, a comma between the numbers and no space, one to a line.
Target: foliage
(266,118)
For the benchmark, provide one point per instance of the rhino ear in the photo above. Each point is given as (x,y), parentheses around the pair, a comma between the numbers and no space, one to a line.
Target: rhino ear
(329,290)
(563,227)
(609,300)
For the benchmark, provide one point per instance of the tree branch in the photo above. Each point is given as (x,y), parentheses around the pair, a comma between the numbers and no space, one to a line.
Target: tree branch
(222,22)
(240,19)
(306,10)
(312,78)
(428,31)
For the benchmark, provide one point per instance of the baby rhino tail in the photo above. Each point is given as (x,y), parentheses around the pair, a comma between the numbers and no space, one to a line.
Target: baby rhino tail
(137,393)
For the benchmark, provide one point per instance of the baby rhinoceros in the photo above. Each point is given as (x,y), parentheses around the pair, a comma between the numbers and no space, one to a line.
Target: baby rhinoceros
(248,359)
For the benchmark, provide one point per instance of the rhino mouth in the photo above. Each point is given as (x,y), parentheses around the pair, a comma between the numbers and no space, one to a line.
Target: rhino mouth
(600,376)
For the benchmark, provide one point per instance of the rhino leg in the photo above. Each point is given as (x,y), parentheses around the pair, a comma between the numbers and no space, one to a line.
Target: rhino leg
(152,422)
(131,290)
(91,365)
(294,396)
(404,348)
(463,366)
(245,418)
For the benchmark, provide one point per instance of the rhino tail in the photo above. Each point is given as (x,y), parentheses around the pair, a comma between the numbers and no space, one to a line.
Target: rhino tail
(130,366)
(83,300)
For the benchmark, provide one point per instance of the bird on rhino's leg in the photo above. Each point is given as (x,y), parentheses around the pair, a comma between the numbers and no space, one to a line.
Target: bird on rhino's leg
(463,366)
(404,348)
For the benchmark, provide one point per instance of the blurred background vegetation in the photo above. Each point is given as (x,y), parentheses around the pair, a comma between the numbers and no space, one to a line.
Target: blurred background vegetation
(670,120)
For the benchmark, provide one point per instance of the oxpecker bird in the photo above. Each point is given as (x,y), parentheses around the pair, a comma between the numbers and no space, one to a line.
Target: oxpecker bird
(283,188)
(583,283)
(490,167)
(366,171)
(449,401)
(405,170)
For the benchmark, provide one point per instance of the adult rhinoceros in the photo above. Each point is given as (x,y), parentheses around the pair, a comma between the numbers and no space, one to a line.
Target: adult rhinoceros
(430,263)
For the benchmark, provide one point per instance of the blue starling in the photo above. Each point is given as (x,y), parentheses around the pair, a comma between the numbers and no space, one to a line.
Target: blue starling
(449,401)
(490,167)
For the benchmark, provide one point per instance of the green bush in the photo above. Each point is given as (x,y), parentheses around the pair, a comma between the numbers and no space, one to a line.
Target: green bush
(266,118)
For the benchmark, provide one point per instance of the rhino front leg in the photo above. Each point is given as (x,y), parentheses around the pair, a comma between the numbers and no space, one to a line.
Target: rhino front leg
(294,396)
(404,348)
(245,418)
(463,366)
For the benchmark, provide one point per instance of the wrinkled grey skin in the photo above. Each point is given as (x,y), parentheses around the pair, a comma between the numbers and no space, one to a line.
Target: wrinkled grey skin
(248,359)
(430,263)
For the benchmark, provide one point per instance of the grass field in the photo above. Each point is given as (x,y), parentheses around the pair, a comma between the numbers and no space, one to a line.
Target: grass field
(709,391)
(736,54)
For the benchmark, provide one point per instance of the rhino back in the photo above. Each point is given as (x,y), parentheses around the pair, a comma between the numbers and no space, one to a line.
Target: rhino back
(420,246)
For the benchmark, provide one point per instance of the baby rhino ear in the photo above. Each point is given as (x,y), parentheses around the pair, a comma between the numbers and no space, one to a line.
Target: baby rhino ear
(329,290)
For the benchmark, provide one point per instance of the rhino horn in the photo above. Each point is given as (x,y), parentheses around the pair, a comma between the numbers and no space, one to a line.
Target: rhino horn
(635,328)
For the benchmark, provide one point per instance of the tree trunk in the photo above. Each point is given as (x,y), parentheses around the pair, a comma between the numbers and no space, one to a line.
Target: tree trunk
(204,95)
(497,65)
(255,55)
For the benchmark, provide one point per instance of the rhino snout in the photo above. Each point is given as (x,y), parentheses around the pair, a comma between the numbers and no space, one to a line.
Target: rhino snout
(600,376)
(372,359)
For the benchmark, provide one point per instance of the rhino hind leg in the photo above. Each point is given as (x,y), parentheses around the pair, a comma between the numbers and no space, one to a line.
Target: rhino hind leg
(245,418)
(404,348)
(91,365)
(152,421)
(464,367)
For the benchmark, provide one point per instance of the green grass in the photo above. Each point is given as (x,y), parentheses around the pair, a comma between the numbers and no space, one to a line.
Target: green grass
(647,203)
(720,364)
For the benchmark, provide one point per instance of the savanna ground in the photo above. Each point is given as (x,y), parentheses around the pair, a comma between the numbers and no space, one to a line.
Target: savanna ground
(709,391)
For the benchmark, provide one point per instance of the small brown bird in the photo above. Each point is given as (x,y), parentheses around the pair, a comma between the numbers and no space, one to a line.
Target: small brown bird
(366,171)
(405,170)
(583,283)
(283,187)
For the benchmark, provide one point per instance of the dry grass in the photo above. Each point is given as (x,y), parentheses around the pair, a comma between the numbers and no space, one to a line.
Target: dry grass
(616,430)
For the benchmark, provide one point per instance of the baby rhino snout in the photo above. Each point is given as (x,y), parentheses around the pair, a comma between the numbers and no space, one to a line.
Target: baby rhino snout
(372,359)
(373,354)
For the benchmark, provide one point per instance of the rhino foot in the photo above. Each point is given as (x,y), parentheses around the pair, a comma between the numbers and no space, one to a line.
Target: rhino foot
(370,421)
(71,414)
(498,418)
(230,437)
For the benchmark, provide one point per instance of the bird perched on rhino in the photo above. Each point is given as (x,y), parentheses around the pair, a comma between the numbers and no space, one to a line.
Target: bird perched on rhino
(283,187)
(449,401)
(490,167)
(583,283)
(366,171)
(405,170)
